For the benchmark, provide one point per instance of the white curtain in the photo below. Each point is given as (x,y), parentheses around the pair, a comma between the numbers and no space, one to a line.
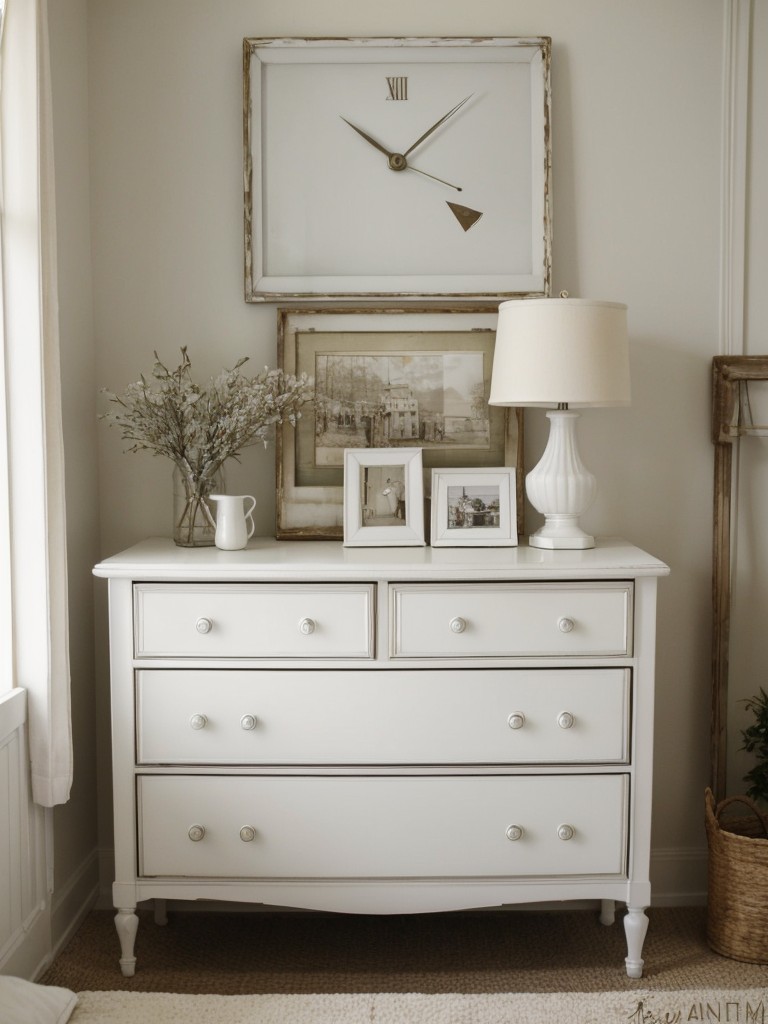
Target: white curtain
(33,391)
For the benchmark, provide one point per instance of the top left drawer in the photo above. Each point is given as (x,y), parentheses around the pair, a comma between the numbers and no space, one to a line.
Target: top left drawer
(249,620)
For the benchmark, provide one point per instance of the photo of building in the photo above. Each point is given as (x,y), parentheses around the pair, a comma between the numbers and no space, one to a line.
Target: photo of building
(430,399)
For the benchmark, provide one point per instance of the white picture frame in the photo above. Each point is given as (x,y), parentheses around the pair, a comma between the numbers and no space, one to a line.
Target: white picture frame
(474,507)
(324,215)
(383,497)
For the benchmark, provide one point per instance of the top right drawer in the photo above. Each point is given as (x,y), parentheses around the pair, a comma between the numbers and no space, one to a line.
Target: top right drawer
(502,620)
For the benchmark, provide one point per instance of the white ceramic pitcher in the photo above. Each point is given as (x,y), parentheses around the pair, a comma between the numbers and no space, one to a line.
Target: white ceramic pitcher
(232,530)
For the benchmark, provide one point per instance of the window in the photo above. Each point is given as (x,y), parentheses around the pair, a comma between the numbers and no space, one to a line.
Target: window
(6,647)
(34,643)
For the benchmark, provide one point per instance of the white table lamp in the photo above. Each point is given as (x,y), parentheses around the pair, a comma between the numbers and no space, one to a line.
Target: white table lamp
(561,352)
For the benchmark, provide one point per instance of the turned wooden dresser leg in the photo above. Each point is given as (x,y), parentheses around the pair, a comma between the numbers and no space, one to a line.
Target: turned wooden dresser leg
(635,927)
(126,924)
(607,911)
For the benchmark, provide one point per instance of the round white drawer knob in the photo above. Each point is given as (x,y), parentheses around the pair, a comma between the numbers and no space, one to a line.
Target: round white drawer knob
(204,625)
(307,626)
(565,625)
(248,722)
(198,721)
(196,833)
(516,720)
(457,625)
(514,832)
(565,720)
(565,832)
(247,833)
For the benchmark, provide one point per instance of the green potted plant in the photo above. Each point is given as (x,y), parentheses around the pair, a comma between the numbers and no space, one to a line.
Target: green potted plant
(755,738)
(199,428)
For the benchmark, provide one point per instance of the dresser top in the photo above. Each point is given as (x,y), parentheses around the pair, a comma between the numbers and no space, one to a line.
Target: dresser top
(268,559)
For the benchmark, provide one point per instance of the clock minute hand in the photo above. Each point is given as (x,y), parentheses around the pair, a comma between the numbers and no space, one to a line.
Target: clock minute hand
(437,124)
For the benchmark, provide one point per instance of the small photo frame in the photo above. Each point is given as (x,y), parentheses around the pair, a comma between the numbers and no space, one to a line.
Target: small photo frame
(474,507)
(383,497)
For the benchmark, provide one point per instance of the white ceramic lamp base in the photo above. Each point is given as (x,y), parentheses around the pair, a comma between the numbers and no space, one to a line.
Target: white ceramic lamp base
(561,487)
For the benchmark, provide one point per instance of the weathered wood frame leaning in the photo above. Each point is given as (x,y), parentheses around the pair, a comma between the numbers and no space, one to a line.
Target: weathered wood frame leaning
(728,375)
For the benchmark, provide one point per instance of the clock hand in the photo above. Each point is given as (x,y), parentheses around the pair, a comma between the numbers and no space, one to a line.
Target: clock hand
(397,161)
(368,138)
(437,124)
(432,176)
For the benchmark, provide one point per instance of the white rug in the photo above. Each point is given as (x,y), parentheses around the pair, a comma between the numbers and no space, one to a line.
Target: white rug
(631,1007)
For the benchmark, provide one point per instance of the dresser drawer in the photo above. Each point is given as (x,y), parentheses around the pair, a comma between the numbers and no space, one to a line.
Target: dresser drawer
(511,620)
(386,827)
(505,716)
(253,621)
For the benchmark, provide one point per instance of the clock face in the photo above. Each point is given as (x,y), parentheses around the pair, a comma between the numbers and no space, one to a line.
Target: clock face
(396,168)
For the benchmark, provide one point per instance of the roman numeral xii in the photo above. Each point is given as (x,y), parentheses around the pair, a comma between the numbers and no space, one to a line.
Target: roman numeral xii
(397,88)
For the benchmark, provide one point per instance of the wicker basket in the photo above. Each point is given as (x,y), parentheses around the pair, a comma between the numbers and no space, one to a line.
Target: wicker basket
(737,910)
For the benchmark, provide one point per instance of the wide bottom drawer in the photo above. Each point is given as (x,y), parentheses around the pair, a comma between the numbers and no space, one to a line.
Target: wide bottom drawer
(382,826)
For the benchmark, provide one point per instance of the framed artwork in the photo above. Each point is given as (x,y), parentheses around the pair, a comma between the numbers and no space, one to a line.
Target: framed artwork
(473,508)
(394,378)
(383,497)
(412,167)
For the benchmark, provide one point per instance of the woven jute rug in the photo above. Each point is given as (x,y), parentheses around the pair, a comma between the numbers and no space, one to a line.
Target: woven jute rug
(225,953)
(640,1007)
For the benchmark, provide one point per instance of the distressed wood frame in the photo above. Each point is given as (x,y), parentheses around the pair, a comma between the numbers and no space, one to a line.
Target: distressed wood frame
(306,512)
(728,373)
(319,283)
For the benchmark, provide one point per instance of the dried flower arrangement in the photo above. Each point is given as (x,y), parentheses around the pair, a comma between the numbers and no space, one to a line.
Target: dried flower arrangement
(199,428)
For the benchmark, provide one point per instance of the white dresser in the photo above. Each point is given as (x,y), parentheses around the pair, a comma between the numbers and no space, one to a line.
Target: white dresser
(382,730)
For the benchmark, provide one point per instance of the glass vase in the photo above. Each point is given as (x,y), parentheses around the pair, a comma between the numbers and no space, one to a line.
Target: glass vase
(194,522)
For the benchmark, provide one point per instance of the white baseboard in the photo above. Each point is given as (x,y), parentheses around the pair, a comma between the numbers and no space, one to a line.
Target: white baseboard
(679,876)
(72,901)
(28,953)
(52,923)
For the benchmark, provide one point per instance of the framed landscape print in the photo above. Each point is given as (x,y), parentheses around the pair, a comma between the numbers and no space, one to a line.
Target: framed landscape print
(473,508)
(394,379)
(407,167)
(383,497)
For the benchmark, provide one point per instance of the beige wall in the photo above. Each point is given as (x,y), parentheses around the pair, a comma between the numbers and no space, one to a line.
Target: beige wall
(636,157)
(749,636)
(75,826)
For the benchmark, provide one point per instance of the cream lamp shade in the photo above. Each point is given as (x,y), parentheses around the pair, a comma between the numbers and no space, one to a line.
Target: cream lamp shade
(561,352)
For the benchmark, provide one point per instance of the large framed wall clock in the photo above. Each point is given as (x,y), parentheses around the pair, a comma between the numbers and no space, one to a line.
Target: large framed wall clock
(398,168)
